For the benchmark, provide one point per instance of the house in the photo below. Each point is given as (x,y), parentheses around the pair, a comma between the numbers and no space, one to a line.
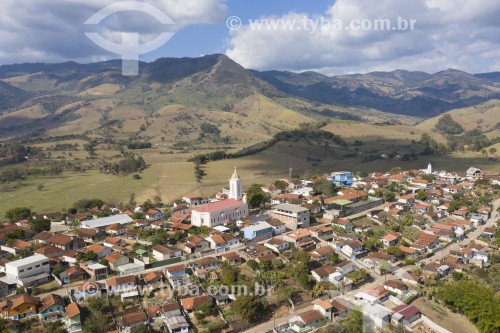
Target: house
(395,286)
(375,259)
(306,321)
(377,315)
(116,259)
(191,304)
(352,248)
(50,251)
(300,238)
(422,208)
(52,308)
(194,200)
(474,173)
(95,269)
(324,232)
(294,216)
(116,229)
(410,278)
(193,244)
(126,322)
(232,258)
(391,239)
(65,242)
(278,245)
(341,178)
(177,324)
(408,199)
(374,295)
(278,226)
(208,263)
(328,308)
(101,251)
(343,224)
(161,252)
(113,241)
(153,278)
(153,214)
(89,289)
(176,275)
(221,242)
(88,235)
(290,198)
(121,284)
(73,318)
(258,232)
(428,241)
(321,253)
(164,310)
(20,307)
(327,273)
(489,232)
(406,314)
(73,274)
(254,251)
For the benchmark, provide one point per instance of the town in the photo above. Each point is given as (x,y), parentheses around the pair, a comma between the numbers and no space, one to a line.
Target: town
(341,252)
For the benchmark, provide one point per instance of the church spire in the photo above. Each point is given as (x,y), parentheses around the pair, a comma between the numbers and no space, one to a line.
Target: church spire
(235,174)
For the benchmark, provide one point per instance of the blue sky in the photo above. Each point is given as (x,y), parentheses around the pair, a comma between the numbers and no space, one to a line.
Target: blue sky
(212,38)
(461,34)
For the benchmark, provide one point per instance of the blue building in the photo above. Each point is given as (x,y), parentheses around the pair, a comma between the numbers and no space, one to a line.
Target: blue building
(341,178)
(259,231)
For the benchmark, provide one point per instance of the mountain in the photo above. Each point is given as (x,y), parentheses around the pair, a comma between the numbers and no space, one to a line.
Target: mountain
(182,93)
(401,92)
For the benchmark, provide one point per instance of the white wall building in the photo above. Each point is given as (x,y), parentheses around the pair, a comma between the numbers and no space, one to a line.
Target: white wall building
(28,270)
(217,213)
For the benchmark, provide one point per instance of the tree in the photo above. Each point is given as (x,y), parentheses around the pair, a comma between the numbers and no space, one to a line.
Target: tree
(353,322)
(18,213)
(141,328)
(252,264)
(229,274)
(325,187)
(421,195)
(255,200)
(281,185)
(395,251)
(39,224)
(492,150)
(447,125)
(249,307)
(286,294)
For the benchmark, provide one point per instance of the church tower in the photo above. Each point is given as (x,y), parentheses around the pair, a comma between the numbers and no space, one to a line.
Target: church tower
(235,186)
(429,168)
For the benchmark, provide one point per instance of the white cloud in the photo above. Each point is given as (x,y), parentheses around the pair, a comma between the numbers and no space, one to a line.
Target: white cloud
(53,30)
(464,34)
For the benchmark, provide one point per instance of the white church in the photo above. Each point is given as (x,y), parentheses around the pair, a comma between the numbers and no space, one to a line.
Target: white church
(221,212)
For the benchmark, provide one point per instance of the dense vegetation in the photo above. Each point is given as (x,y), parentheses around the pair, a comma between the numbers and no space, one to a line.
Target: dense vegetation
(139,145)
(476,301)
(447,125)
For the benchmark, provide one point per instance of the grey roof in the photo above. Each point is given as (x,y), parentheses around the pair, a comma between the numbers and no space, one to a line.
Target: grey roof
(105,221)
(290,208)
(28,260)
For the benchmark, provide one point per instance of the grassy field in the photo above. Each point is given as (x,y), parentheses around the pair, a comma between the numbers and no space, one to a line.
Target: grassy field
(444,317)
(169,176)
(483,116)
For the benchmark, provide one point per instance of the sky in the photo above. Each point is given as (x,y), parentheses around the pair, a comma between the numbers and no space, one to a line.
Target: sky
(331,37)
